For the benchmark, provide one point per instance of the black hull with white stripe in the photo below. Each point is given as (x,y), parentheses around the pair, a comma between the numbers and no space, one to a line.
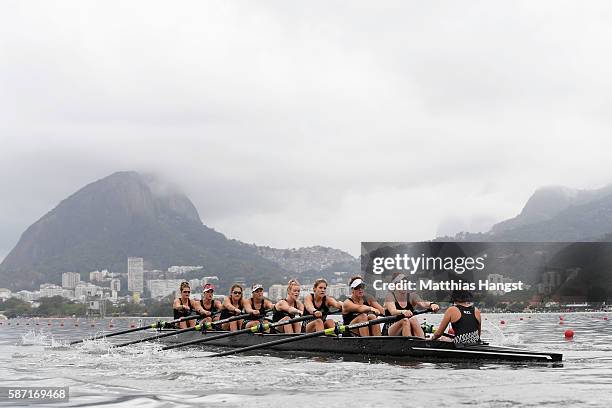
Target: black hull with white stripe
(382,346)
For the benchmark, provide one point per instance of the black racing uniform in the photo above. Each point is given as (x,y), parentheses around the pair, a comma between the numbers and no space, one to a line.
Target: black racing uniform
(466,328)
(385,330)
(226,314)
(262,312)
(180,313)
(212,309)
(323,308)
(281,314)
(347,318)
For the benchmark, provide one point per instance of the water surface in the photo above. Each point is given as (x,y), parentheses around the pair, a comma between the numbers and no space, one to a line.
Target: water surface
(32,354)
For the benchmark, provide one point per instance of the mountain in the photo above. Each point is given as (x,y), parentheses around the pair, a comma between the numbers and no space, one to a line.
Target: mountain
(554,214)
(127,214)
(311,259)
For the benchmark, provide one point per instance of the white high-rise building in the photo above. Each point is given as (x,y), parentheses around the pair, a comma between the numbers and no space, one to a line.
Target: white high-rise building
(135,274)
(70,280)
(163,287)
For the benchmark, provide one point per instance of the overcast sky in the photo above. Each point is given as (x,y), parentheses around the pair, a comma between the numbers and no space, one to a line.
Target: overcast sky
(291,124)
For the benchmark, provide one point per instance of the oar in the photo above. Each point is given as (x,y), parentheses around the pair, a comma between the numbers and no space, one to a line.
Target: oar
(262,327)
(327,332)
(156,325)
(197,327)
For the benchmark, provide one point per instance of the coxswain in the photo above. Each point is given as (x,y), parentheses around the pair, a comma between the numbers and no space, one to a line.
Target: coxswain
(360,307)
(401,302)
(232,306)
(463,317)
(210,305)
(318,304)
(183,306)
(289,308)
(257,306)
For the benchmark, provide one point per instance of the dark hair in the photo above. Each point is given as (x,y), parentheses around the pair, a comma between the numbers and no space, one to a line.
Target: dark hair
(318,282)
(461,296)
(234,286)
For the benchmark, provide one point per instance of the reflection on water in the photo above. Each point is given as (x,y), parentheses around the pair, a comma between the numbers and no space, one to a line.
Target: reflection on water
(143,375)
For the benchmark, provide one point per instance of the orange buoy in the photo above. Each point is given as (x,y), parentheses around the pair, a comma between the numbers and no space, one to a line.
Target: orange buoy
(520,318)
(132,325)
(502,322)
(605,317)
(561,322)
(560,317)
(569,334)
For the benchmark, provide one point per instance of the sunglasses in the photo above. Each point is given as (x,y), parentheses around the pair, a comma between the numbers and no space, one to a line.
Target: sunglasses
(237,293)
(186,291)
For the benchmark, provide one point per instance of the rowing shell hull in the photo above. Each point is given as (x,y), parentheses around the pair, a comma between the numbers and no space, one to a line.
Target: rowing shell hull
(382,346)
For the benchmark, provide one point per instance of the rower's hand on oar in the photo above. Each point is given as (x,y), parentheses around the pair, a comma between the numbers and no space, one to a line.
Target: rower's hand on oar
(318,314)
(407,313)
(434,307)
(255,312)
(375,311)
(204,313)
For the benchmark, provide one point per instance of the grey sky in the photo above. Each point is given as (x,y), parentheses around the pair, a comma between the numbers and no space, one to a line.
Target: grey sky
(292,124)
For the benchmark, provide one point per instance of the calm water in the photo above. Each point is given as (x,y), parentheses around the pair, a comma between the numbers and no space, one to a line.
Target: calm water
(143,376)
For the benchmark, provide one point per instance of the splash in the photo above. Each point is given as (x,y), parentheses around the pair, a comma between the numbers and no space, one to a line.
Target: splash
(35,338)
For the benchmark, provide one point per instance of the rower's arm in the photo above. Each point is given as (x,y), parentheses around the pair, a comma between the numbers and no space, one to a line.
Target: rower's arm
(198,308)
(247,306)
(390,306)
(377,305)
(333,302)
(477,314)
(308,305)
(443,325)
(227,304)
(177,304)
(349,307)
(284,306)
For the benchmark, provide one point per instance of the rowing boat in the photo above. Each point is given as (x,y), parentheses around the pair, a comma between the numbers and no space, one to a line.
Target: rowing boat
(378,346)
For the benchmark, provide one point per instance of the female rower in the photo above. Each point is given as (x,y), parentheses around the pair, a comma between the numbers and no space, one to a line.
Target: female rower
(257,306)
(232,306)
(463,317)
(210,306)
(288,308)
(318,304)
(400,301)
(360,308)
(183,306)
